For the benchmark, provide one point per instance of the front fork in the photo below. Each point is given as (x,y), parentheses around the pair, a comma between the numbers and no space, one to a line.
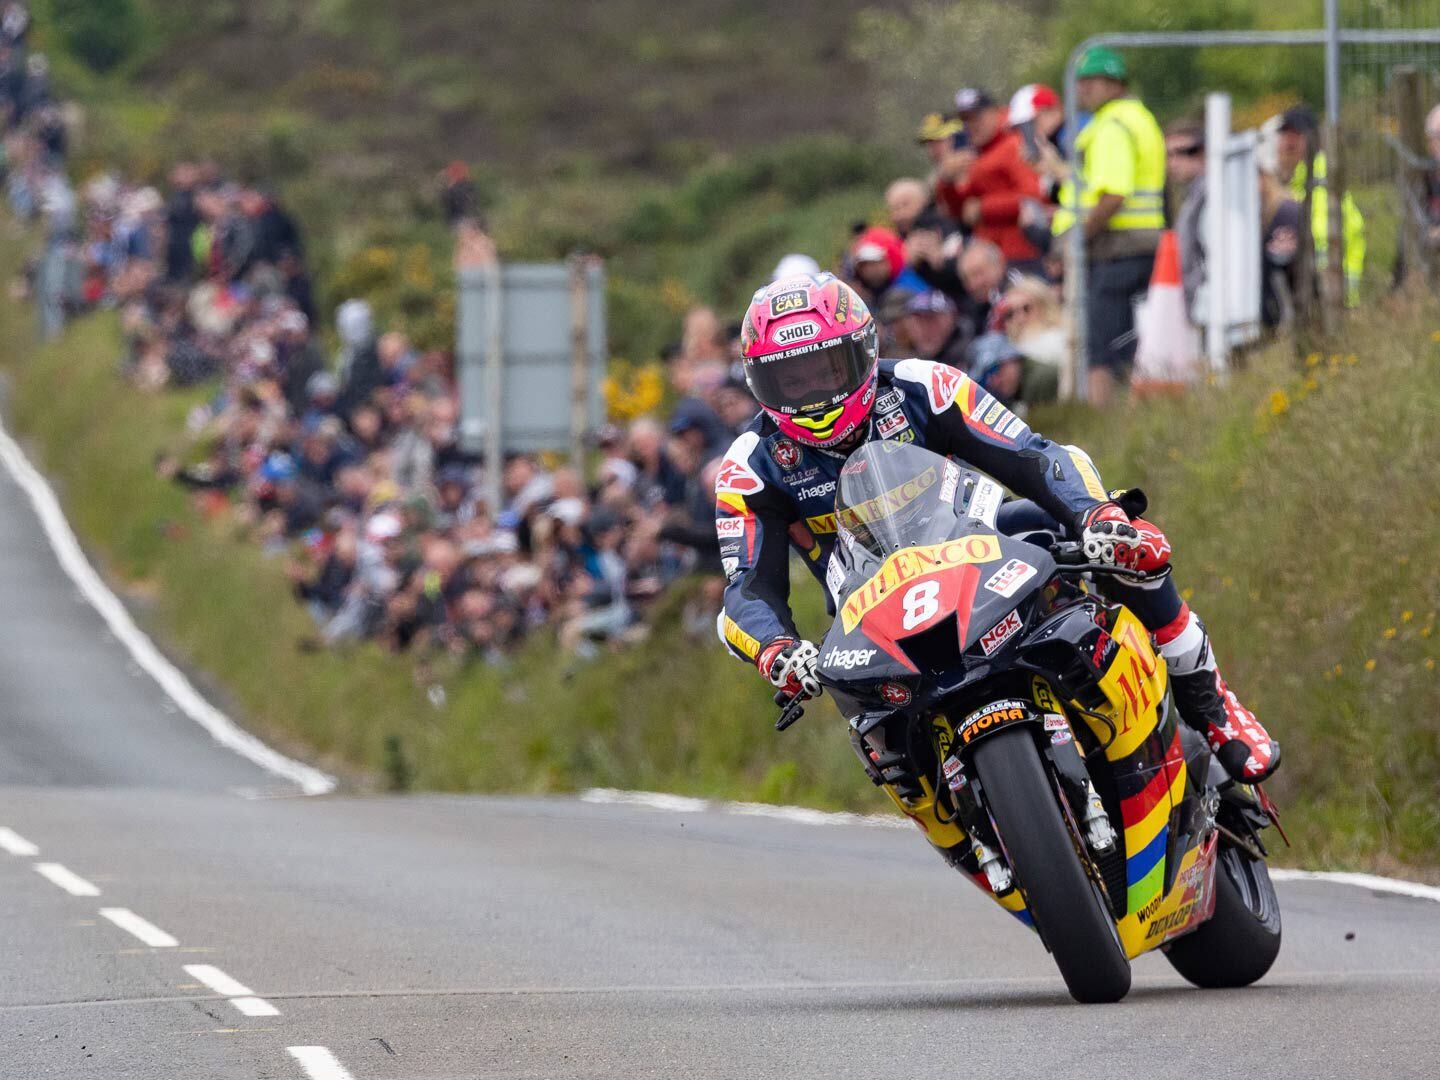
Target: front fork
(964,836)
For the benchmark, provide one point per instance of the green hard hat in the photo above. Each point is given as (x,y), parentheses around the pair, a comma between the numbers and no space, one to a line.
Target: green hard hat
(1098,61)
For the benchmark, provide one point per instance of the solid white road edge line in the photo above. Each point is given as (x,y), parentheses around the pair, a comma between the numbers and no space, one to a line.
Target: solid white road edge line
(16,844)
(72,560)
(801,815)
(134,925)
(68,880)
(1361,881)
(319,1063)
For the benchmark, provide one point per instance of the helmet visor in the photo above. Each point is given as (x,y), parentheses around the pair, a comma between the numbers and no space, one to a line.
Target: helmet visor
(807,378)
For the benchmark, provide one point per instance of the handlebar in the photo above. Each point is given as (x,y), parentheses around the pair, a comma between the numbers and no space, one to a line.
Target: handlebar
(1069,558)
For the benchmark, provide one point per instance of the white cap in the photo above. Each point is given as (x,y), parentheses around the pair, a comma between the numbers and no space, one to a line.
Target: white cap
(521,577)
(569,511)
(620,469)
(384,526)
(354,321)
(794,265)
(1027,101)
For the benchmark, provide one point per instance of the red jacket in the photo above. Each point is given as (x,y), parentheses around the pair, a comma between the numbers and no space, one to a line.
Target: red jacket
(1000,178)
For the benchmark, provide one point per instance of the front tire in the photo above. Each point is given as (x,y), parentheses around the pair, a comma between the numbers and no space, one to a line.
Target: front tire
(1065,904)
(1237,945)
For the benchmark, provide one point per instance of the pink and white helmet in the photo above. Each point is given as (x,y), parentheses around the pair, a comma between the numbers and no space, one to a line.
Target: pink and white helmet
(811,351)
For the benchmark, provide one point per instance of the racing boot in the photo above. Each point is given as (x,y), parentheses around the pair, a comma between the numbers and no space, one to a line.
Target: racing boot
(1239,742)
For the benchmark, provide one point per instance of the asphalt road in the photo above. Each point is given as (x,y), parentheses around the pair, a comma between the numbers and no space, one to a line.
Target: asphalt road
(433,937)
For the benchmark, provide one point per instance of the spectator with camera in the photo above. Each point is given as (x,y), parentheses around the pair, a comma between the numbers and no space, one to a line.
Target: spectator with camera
(987,198)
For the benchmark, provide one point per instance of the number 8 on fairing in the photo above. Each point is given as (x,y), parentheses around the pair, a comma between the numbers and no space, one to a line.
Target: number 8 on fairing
(920,602)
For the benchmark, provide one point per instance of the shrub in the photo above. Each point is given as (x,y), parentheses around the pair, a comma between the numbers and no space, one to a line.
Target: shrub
(101,33)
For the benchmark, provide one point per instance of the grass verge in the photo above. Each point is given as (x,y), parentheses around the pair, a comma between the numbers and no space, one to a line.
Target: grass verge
(1295,497)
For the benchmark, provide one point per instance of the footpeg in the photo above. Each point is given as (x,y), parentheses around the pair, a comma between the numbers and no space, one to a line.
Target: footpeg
(1099,833)
(996,872)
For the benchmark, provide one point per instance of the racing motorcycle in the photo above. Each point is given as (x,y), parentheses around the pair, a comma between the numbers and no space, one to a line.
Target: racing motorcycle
(1024,723)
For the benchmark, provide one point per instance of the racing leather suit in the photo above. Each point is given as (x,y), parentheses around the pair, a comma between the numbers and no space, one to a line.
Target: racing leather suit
(773,492)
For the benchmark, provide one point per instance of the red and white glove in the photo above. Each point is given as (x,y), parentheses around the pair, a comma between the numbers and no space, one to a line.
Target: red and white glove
(1112,538)
(792,666)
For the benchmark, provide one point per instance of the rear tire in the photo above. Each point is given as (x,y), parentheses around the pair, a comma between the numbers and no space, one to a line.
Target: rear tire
(1067,907)
(1237,945)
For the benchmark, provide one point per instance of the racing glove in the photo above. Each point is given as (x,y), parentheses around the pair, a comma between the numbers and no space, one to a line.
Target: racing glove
(1111,537)
(792,666)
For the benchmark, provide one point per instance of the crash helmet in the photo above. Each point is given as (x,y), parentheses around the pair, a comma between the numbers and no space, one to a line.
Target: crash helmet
(811,351)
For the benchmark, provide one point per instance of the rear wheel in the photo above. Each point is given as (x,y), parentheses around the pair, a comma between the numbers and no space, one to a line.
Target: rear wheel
(1237,945)
(1066,905)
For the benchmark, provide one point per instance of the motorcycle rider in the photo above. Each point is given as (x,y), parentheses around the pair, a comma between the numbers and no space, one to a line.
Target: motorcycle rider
(812,361)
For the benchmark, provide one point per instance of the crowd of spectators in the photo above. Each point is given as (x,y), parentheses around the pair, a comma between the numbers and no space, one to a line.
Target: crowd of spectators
(963,269)
(969,266)
(348,466)
(34,144)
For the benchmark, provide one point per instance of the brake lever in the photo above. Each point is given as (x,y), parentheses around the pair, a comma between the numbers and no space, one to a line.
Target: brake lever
(792,709)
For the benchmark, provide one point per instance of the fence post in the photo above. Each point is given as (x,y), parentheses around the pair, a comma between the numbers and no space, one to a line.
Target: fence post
(1305,284)
(1407,87)
(1217,140)
(1332,282)
(579,361)
(495,383)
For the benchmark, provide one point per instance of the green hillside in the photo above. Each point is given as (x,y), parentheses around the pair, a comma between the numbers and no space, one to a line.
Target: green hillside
(691,144)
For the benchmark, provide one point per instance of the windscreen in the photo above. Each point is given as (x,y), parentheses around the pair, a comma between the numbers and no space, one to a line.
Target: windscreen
(895,495)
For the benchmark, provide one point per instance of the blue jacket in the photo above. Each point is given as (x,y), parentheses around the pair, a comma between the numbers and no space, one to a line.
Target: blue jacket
(773,493)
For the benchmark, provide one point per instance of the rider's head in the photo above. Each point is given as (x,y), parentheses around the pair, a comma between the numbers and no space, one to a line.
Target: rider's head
(811,350)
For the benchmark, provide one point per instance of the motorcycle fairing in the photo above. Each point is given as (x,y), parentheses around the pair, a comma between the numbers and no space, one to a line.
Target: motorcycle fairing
(1169,879)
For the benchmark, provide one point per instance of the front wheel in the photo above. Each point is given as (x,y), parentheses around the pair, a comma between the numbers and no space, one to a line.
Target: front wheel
(1236,945)
(1067,907)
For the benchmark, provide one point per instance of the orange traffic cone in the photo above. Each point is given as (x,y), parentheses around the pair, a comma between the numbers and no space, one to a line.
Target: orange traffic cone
(1167,353)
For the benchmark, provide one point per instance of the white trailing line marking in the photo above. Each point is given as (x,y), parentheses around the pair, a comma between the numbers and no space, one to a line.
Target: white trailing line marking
(68,880)
(240,995)
(801,815)
(655,800)
(319,1063)
(142,650)
(1361,881)
(16,844)
(134,925)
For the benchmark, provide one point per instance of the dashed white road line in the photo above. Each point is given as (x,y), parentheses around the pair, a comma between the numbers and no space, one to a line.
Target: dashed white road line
(68,880)
(254,1006)
(319,1063)
(16,844)
(240,995)
(72,560)
(134,925)
(217,980)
